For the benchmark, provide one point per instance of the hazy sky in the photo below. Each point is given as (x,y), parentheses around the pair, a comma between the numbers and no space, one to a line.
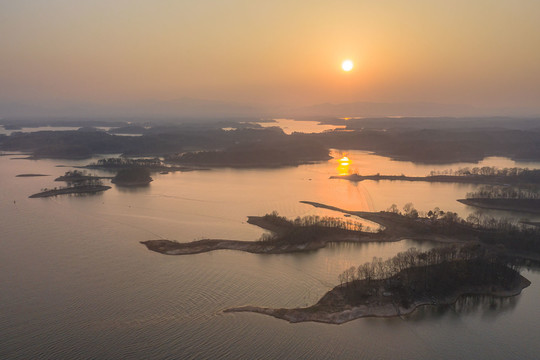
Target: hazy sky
(479,52)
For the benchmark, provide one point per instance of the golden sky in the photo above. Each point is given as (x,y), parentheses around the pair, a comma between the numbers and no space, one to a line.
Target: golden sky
(478,52)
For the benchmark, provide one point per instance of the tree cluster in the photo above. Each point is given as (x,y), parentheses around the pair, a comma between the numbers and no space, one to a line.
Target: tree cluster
(504,192)
(132,175)
(308,228)
(122,162)
(437,272)
(280,153)
(489,230)
(314,220)
(524,174)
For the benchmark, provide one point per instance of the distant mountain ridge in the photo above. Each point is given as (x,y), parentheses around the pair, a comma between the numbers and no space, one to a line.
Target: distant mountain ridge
(374,109)
(204,109)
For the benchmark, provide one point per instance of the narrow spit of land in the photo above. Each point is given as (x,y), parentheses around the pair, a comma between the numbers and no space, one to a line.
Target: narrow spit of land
(87,189)
(30,175)
(396,228)
(471,179)
(169,247)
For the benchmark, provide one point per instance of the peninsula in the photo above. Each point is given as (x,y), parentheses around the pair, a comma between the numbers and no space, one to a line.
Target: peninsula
(398,286)
(485,176)
(311,233)
(287,238)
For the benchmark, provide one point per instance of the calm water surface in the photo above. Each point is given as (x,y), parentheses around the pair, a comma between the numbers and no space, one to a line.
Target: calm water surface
(290,125)
(76,283)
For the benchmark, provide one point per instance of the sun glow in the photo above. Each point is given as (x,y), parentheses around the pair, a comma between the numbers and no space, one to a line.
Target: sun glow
(344,160)
(347,65)
(344,163)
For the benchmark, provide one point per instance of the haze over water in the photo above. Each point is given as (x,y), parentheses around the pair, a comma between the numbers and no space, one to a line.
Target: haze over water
(77,283)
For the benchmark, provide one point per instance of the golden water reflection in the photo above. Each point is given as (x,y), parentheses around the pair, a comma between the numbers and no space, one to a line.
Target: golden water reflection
(344,165)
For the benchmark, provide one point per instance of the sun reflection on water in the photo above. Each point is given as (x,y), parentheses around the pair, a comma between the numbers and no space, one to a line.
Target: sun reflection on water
(344,164)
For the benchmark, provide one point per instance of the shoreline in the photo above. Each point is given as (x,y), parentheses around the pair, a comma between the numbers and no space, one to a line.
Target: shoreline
(73,190)
(519,205)
(317,313)
(394,230)
(487,180)
(131,183)
(31,175)
(81,178)
(172,168)
(169,247)
(258,165)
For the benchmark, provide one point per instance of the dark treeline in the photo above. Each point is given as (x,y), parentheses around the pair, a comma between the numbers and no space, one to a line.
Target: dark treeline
(170,140)
(75,174)
(84,183)
(307,228)
(122,162)
(523,174)
(438,272)
(257,154)
(504,192)
(437,123)
(313,220)
(512,235)
(378,269)
(489,230)
(438,145)
(420,145)
(66,144)
(132,176)
(74,177)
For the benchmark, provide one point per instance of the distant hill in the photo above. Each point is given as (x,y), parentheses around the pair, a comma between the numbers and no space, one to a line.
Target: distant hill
(204,109)
(374,109)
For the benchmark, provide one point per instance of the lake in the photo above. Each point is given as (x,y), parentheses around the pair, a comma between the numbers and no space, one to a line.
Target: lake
(76,282)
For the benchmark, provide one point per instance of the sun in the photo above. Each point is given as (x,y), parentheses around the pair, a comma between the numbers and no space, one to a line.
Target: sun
(347,65)
(344,160)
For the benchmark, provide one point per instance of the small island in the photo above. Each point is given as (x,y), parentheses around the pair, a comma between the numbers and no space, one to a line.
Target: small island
(135,176)
(399,285)
(77,176)
(74,190)
(30,175)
